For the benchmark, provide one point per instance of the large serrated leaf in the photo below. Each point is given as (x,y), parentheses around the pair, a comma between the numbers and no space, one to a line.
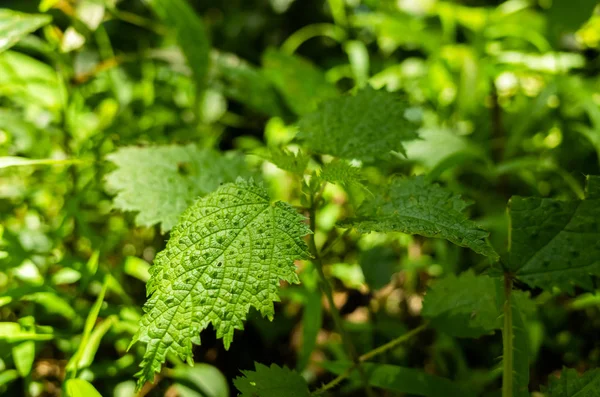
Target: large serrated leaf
(161,182)
(572,384)
(415,206)
(272,381)
(556,243)
(15,25)
(365,126)
(227,254)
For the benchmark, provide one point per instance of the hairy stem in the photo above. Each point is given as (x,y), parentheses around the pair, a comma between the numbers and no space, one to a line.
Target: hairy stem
(369,355)
(507,340)
(328,291)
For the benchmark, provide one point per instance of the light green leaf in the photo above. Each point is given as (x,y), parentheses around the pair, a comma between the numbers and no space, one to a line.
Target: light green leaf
(13,332)
(365,126)
(402,379)
(190,33)
(160,182)
(201,380)
(572,384)
(556,243)
(341,173)
(16,25)
(137,267)
(465,305)
(93,342)
(80,388)
(8,376)
(13,161)
(227,254)
(23,355)
(415,206)
(292,162)
(81,356)
(272,381)
(302,84)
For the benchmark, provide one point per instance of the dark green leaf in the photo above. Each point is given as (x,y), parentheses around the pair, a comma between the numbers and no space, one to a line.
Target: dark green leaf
(272,381)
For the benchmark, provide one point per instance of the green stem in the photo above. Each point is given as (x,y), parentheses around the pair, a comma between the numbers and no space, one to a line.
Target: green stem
(507,340)
(369,355)
(328,291)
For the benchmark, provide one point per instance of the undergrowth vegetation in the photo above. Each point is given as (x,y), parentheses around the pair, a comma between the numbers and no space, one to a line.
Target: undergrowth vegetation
(293,198)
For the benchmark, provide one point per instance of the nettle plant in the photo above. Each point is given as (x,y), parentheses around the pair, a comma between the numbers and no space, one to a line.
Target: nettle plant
(231,246)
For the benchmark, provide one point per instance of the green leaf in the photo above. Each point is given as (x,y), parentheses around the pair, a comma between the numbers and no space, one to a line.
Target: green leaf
(16,25)
(556,243)
(312,316)
(160,182)
(13,332)
(465,305)
(302,84)
(378,265)
(272,381)
(571,384)
(201,380)
(365,126)
(402,379)
(243,82)
(291,162)
(341,173)
(80,388)
(190,33)
(227,254)
(23,355)
(415,206)
(84,354)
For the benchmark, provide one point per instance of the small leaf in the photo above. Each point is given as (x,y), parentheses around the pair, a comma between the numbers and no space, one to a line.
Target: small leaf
(572,384)
(201,380)
(80,388)
(272,381)
(465,305)
(402,379)
(414,206)
(160,182)
(291,162)
(302,84)
(16,25)
(227,254)
(23,356)
(556,243)
(190,32)
(365,126)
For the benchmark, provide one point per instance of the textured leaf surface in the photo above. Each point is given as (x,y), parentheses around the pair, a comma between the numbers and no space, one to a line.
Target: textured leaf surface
(301,83)
(190,32)
(572,384)
(15,25)
(402,379)
(227,254)
(365,126)
(161,182)
(272,381)
(465,305)
(556,243)
(415,206)
(341,173)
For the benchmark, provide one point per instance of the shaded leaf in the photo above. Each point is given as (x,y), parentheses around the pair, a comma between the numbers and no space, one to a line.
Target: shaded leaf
(415,206)
(16,25)
(556,243)
(572,384)
(365,126)
(272,381)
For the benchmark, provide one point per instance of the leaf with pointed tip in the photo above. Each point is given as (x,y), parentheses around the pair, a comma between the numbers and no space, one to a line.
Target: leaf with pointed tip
(272,381)
(572,384)
(160,182)
(227,254)
(415,206)
(556,243)
(16,25)
(365,126)
(291,162)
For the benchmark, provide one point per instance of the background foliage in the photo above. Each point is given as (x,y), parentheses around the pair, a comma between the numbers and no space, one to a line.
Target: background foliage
(116,115)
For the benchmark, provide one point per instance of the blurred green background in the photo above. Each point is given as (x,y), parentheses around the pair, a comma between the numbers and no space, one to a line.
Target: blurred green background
(509,95)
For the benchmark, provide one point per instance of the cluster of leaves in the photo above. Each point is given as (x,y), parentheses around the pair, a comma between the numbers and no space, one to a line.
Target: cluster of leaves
(441,179)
